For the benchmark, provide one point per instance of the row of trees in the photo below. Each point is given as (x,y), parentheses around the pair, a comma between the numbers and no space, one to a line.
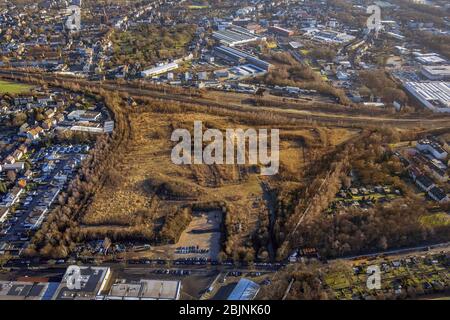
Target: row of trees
(61,231)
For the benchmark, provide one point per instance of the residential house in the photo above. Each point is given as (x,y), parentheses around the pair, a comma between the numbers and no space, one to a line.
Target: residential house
(34,133)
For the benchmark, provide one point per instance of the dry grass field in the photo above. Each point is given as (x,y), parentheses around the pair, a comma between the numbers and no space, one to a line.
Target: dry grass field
(146,189)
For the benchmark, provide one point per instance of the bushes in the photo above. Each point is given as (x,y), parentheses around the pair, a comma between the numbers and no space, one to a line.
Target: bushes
(175,224)
(381,85)
(147,44)
(354,231)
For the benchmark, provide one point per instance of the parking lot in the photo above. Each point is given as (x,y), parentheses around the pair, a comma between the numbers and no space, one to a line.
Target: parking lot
(201,239)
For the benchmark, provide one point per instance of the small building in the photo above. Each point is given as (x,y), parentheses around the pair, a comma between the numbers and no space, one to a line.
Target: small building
(17,166)
(12,197)
(47,124)
(34,133)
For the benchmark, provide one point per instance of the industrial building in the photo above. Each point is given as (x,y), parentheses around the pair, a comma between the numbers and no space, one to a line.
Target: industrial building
(241,57)
(436,73)
(145,290)
(159,70)
(244,290)
(328,36)
(434,95)
(235,35)
(90,283)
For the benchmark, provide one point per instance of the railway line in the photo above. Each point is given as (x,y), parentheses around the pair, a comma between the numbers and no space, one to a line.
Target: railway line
(287,110)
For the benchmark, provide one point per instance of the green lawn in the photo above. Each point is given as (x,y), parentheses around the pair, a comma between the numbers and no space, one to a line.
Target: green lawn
(13,87)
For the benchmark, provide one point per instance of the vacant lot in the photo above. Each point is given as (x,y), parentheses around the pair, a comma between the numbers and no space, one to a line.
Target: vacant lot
(146,195)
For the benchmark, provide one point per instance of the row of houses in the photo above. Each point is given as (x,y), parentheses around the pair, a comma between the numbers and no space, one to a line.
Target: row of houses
(427,185)
(427,164)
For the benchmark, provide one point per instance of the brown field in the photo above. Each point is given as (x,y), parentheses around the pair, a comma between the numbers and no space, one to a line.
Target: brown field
(146,187)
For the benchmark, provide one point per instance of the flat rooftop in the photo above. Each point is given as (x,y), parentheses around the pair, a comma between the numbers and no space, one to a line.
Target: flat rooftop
(92,280)
(145,290)
(22,290)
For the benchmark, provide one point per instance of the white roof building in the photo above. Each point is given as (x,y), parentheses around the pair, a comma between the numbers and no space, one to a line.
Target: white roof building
(434,95)
(159,70)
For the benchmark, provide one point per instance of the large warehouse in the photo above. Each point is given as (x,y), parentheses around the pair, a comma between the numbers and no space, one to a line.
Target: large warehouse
(240,57)
(235,36)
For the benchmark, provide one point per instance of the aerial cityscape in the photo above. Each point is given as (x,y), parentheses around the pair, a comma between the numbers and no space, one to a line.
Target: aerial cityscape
(230,150)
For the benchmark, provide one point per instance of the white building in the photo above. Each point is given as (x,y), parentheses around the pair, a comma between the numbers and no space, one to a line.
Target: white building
(159,70)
